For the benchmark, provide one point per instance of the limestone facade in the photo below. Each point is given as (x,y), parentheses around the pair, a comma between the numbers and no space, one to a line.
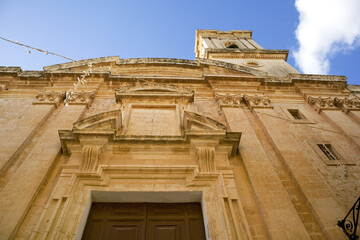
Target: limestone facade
(270,153)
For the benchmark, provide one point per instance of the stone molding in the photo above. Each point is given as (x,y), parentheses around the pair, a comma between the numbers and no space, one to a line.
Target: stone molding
(53,98)
(334,103)
(247,53)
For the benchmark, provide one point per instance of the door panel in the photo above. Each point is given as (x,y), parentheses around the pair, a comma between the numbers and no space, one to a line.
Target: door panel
(145,221)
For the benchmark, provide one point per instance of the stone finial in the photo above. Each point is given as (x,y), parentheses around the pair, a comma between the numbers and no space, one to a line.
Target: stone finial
(52,97)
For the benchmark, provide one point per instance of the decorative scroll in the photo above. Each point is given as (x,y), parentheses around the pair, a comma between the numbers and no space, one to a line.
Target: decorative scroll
(206,156)
(351,221)
(90,158)
(82,98)
(50,98)
(257,101)
(330,103)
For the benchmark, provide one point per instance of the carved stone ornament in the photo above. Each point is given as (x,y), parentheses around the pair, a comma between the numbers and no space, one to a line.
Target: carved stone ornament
(147,89)
(256,101)
(206,157)
(228,100)
(52,97)
(90,158)
(330,103)
(82,98)
(351,104)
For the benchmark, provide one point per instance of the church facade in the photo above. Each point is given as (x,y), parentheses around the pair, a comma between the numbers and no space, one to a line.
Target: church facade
(236,144)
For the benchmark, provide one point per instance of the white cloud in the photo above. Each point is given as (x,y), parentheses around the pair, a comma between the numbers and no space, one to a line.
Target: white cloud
(325,27)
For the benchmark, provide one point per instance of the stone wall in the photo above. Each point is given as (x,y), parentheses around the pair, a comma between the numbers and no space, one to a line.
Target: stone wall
(176,128)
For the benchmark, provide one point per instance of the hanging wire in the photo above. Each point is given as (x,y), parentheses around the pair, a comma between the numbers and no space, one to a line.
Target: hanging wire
(37,49)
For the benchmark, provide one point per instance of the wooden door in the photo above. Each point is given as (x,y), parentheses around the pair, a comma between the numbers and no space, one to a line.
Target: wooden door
(145,221)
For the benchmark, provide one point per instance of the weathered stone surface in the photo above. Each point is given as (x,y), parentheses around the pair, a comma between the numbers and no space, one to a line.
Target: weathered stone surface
(236,127)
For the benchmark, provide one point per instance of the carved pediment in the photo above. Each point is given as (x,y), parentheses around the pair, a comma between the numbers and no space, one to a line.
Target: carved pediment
(196,122)
(102,121)
(147,90)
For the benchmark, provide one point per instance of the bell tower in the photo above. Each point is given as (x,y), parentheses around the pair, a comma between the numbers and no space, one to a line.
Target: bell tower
(238,47)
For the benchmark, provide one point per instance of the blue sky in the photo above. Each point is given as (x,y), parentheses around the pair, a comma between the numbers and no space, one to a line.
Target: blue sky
(134,29)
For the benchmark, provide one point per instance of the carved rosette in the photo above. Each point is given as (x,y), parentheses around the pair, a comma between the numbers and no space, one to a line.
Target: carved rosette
(206,158)
(82,98)
(330,103)
(90,158)
(256,101)
(52,97)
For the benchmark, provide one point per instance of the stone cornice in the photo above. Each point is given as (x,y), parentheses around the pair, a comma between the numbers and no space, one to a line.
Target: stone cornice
(316,78)
(247,53)
(172,61)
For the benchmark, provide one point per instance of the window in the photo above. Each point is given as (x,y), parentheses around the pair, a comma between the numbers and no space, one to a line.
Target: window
(328,151)
(296,114)
(233,46)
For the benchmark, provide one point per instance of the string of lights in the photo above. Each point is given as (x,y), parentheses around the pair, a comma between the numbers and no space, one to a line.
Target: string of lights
(37,49)
(81,79)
